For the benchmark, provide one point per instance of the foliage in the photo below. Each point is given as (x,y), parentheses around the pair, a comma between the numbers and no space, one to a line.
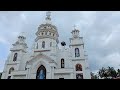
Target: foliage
(94,76)
(106,73)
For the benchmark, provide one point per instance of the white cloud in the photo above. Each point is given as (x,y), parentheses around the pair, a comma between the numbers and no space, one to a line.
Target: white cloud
(2,40)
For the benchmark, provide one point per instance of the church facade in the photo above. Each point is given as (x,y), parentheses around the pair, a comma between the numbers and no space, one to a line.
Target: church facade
(47,60)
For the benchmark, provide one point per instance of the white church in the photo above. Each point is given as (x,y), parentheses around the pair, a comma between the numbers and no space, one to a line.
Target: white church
(47,60)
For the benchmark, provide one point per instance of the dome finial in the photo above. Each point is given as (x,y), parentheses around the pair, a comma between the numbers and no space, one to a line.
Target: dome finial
(22,34)
(48,14)
(74,27)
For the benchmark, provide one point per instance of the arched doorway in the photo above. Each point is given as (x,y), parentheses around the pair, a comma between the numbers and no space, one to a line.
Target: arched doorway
(41,73)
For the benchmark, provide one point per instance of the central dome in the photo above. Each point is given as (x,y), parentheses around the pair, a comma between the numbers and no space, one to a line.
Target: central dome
(47,30)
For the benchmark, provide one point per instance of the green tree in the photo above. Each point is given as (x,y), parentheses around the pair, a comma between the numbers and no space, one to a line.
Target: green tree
(103,73)
(112,72)
(94,76)
(108,73)
(118,72)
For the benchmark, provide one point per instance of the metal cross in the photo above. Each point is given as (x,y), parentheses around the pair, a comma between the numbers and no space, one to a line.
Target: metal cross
(48,13)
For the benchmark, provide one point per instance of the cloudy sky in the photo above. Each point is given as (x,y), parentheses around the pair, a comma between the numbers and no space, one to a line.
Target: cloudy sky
(100,30)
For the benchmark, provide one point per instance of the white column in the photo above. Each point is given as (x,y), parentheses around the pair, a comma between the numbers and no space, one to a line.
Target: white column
(52,72)
(28,73)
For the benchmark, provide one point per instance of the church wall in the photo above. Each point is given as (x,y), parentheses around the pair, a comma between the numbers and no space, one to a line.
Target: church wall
(65,76)
(6,71)
(47,43)
(23,61)
(32,76)
(83,67)
(77,41)
(81,50)
(19,77)
(65,55)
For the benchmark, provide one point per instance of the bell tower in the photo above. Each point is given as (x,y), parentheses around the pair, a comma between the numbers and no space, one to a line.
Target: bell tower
(77,51)
(16,57)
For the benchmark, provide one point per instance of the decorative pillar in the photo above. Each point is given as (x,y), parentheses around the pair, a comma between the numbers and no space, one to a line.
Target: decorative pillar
(52,72)
(28,72)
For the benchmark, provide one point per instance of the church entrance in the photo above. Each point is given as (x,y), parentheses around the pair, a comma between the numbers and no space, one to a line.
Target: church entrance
(41,73)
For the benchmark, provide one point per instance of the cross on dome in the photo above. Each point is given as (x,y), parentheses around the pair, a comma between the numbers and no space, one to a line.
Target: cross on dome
(48,13)
(74,27)
(48,18)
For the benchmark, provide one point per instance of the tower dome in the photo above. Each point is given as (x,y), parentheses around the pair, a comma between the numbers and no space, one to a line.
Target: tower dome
(47,30)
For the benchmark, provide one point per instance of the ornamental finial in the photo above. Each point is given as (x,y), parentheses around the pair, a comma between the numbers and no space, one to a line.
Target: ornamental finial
(48,14)
(74,27)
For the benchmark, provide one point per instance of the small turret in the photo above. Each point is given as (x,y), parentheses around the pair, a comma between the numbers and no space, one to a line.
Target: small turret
(75,32)
(20,43)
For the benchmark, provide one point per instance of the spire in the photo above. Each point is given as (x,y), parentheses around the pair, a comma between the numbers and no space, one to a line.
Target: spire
(48,18)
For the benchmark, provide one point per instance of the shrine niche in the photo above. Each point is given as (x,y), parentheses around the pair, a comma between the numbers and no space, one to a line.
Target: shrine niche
(78,67)
(41,72)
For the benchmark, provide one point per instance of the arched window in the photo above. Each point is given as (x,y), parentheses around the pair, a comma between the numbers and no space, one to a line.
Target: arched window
(15,57)
(11,69)
(43,44)
(50,44)
(77,52)
(78,67)
(62,63)
(41,73)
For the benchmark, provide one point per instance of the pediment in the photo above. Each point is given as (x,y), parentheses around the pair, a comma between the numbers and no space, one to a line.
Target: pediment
(40,57)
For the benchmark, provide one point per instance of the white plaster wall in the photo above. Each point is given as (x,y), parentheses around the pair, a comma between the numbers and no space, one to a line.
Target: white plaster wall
(19,77)
(65,76)
(23,61)
(77,41)
(81,50)
(47,43)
